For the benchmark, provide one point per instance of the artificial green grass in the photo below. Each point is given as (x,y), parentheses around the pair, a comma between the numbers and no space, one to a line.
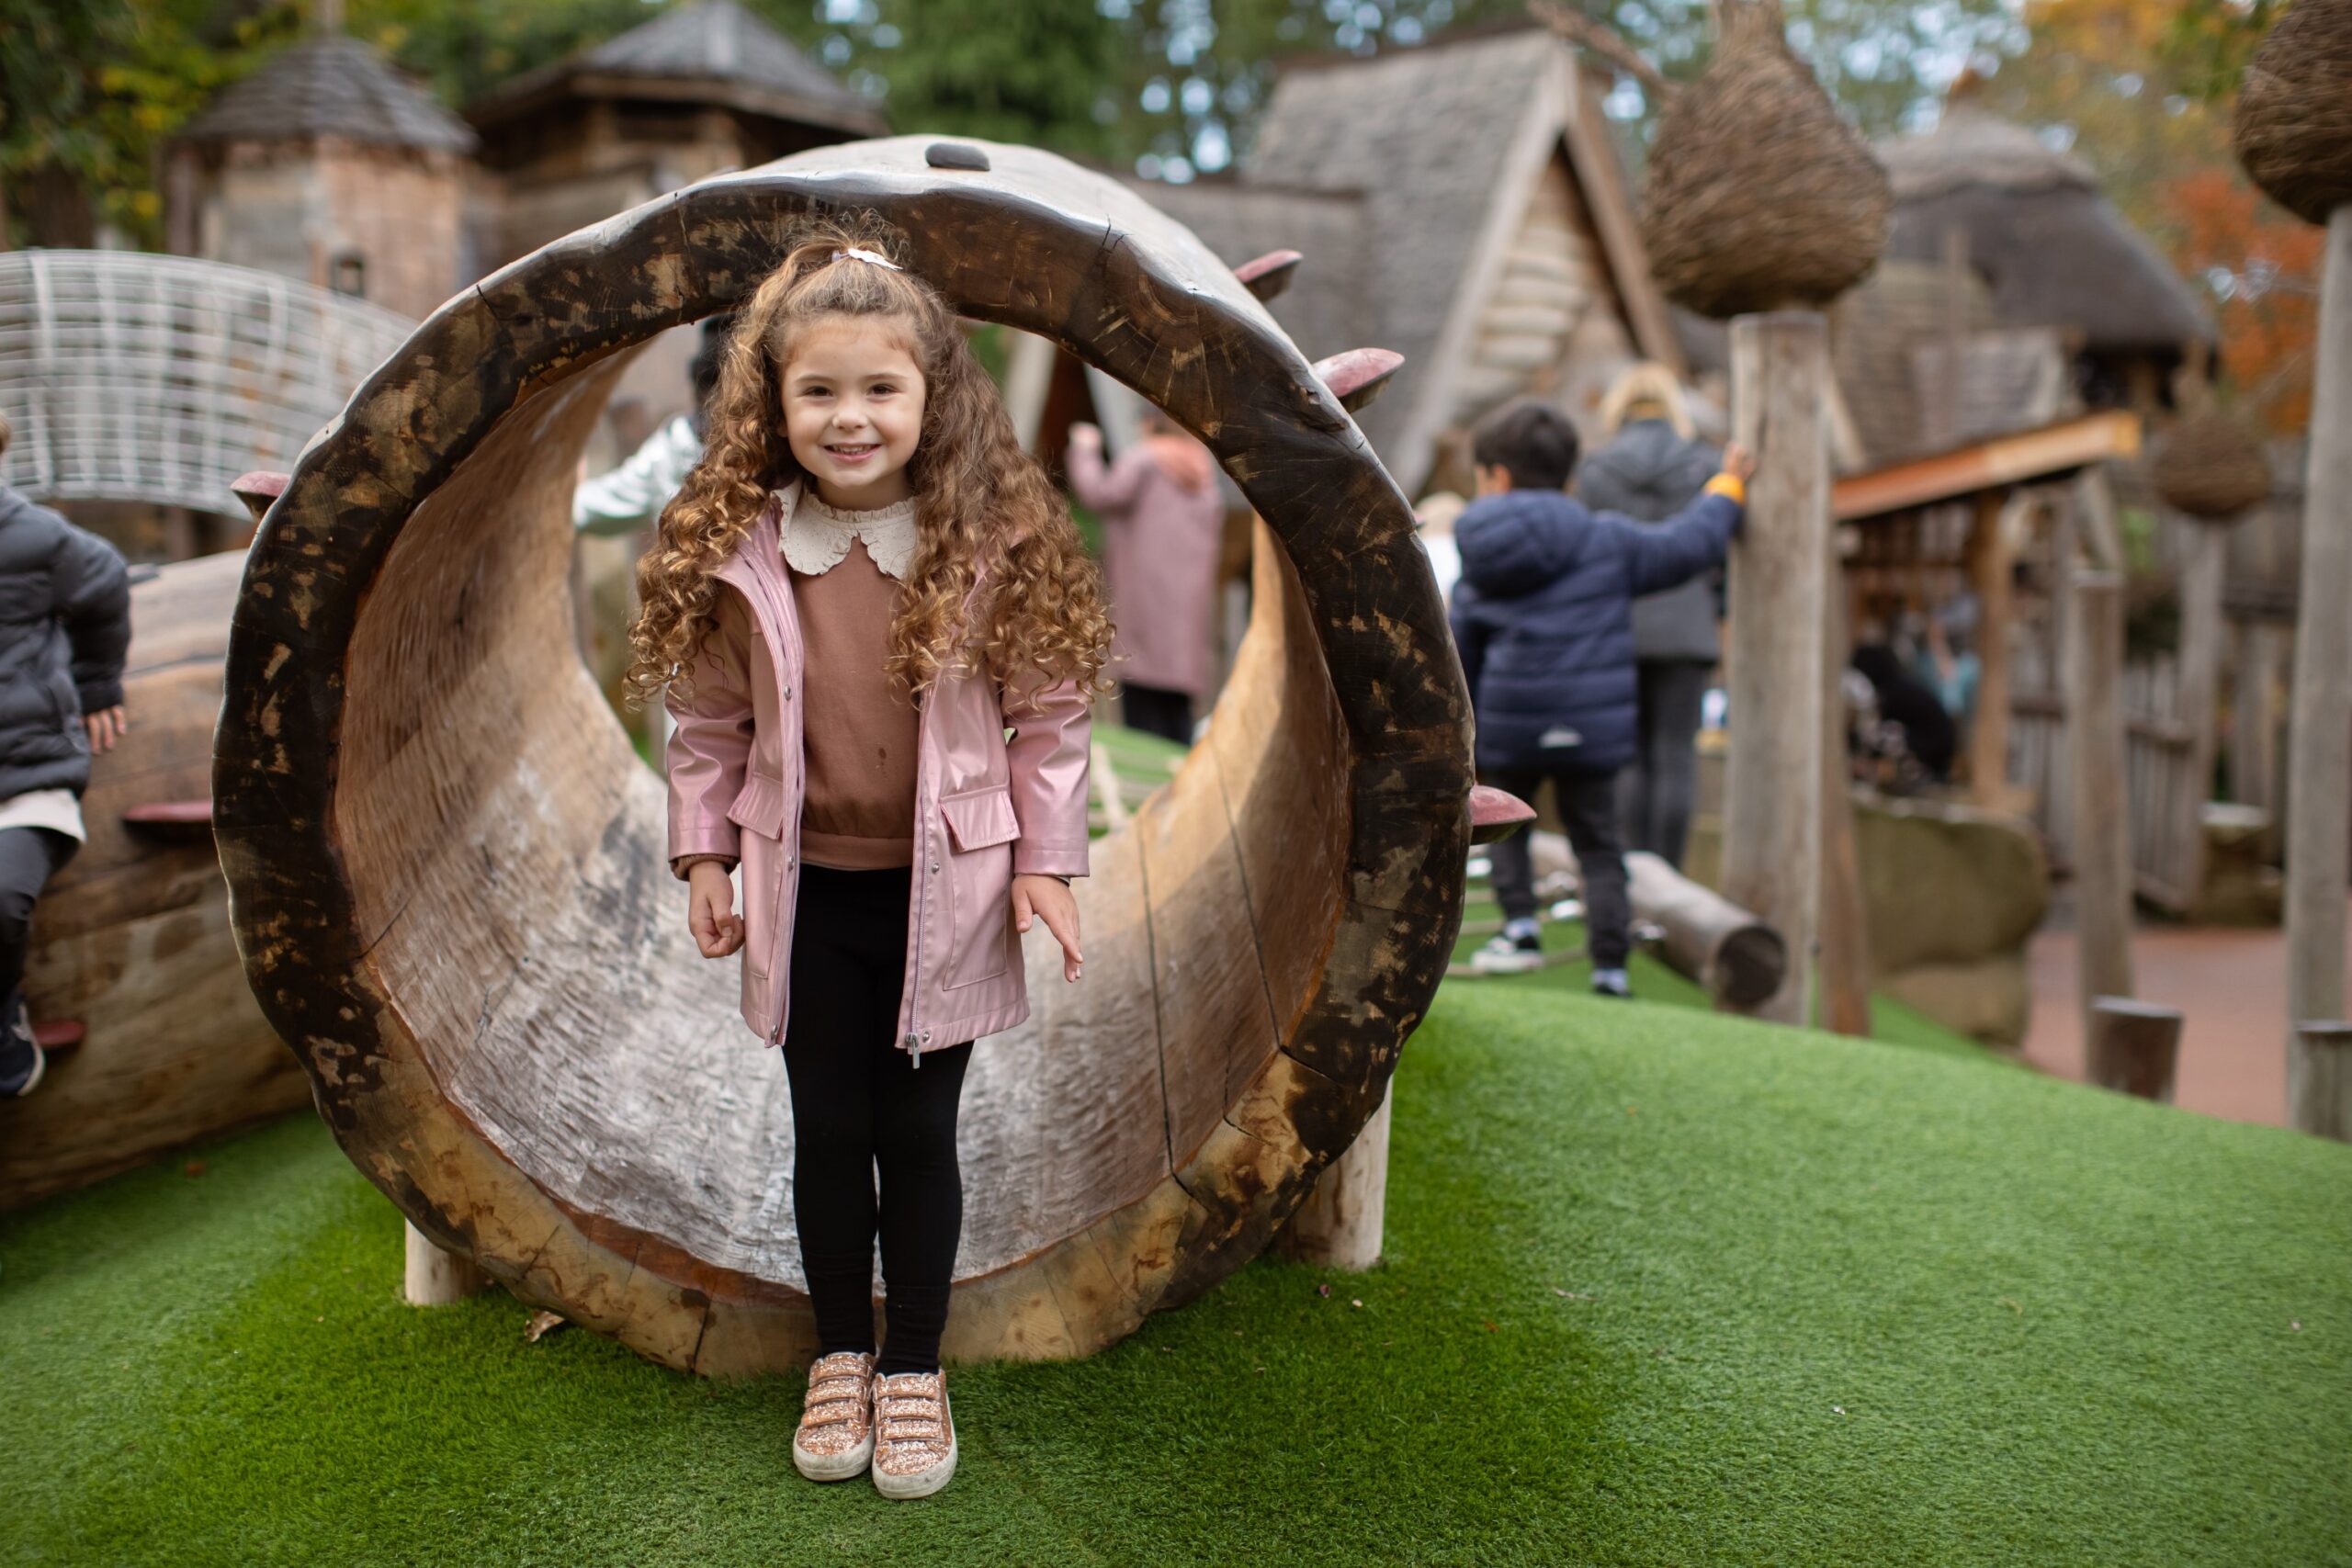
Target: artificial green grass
(1661,1288)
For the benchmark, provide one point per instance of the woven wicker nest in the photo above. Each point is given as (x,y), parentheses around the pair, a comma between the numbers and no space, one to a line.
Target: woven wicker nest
(2212,466)
(1758,196)
(2294,114)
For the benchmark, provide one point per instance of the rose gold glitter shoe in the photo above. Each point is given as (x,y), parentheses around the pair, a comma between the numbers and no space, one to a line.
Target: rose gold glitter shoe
(836,1437)
(914,1448)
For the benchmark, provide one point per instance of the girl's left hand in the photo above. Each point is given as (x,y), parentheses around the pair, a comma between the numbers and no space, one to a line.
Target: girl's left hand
(1048,898)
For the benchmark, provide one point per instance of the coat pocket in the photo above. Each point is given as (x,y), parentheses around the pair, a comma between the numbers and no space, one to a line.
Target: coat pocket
(980,818)
(981,827)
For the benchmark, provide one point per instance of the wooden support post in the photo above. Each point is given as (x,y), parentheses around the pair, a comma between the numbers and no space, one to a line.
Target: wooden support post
(2322,1096)
(2254,731)
(2203,565)
(1845,978)
(2134,1047)
(1780,578)
(1989,570)
(2100,829)
(1338,1226)
(2319,769)
(436,1278)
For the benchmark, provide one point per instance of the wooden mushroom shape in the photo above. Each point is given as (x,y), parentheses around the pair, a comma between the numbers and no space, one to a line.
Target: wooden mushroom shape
(446,862)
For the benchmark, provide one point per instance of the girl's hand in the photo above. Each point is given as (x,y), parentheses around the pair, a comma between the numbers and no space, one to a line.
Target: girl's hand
(1740,462)
(1048,898)
(1083,434)
(105,726)
(710,909)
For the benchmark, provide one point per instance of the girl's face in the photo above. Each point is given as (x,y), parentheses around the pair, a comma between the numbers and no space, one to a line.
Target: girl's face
(853,410)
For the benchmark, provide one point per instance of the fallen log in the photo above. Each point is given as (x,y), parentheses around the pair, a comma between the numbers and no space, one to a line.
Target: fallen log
(1704,936)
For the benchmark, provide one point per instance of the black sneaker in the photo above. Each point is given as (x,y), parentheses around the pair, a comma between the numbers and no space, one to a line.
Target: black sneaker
(22,1061)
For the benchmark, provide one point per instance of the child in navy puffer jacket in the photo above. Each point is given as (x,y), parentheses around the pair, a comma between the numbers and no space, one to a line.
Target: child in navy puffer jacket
(1544,618)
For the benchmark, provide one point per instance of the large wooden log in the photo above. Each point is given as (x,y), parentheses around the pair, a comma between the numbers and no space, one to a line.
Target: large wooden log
(131,939)
(1780,585)
(2319,768)
(2100,829)
(446,861)
(1705,937)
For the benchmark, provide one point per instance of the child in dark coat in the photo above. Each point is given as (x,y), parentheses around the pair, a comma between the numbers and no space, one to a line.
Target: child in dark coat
(1544,618)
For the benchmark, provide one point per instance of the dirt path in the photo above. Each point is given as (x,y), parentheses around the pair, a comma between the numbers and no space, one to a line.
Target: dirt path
(2232,986)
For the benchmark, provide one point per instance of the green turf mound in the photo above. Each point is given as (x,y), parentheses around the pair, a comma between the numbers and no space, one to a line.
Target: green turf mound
(1662,1288)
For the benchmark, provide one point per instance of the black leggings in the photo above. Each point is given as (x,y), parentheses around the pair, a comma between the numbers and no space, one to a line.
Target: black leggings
(28,858)
(860,1101)
(1158,711)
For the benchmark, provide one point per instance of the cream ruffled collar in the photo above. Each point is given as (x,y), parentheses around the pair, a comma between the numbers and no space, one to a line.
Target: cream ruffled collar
(817,537)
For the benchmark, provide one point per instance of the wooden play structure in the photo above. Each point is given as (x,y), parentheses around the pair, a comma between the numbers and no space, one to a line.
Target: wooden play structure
(131,940)
(446,861)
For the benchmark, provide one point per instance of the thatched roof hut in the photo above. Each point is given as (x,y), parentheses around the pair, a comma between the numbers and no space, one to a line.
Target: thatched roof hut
(2051,249)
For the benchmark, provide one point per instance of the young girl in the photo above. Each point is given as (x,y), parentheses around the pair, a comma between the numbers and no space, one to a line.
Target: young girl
(860,588)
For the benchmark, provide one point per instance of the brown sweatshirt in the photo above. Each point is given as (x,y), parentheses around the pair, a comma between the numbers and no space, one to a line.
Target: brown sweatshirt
(858,733)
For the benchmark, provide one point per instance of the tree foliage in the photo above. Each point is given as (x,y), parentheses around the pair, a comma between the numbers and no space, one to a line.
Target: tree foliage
(2139,90)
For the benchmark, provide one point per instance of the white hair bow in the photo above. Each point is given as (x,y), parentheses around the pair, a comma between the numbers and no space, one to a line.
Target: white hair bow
(869,258)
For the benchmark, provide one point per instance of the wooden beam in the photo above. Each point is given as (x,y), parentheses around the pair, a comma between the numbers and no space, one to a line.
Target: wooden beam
(2322,1101)
(1779,594)
(2099,829)
(1592,153)
(433,1277)
(2203,567)
(1989,464)
(1989,570)
(1340,1224)
(1844,1006)
(2319,768)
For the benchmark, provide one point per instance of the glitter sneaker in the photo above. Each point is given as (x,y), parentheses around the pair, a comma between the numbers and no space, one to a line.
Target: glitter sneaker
(914,1449)
(836,1437)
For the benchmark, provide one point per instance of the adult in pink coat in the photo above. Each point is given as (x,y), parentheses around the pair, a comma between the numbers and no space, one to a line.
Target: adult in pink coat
(1163,521)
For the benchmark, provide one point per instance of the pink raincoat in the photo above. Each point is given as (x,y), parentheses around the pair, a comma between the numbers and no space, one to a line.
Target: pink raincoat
(1163,522)
(986,808)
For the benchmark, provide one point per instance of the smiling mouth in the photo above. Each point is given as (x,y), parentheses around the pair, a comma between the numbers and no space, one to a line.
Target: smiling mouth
(854,453)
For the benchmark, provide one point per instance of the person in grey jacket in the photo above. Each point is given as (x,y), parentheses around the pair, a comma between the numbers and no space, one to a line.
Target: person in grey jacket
(1650,470)
(64,630)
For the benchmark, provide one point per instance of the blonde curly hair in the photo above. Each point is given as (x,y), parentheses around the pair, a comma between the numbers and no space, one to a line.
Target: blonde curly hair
(986,517)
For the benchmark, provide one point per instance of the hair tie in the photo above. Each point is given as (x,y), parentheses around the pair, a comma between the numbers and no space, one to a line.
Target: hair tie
(869,258)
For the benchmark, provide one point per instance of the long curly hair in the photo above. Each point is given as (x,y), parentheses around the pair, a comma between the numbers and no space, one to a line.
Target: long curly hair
(1000,581)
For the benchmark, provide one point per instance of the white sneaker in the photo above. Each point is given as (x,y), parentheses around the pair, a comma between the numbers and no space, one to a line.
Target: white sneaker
(1612,983)
(1505,954)
(914,1435)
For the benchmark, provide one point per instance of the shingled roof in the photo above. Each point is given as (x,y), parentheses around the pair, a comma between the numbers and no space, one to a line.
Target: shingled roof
(1426,137)
(703,52)
(329,84)
(2052,249)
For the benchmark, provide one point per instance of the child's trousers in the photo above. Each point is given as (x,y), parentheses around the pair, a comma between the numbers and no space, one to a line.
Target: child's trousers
(859,1104)
(1588,803)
